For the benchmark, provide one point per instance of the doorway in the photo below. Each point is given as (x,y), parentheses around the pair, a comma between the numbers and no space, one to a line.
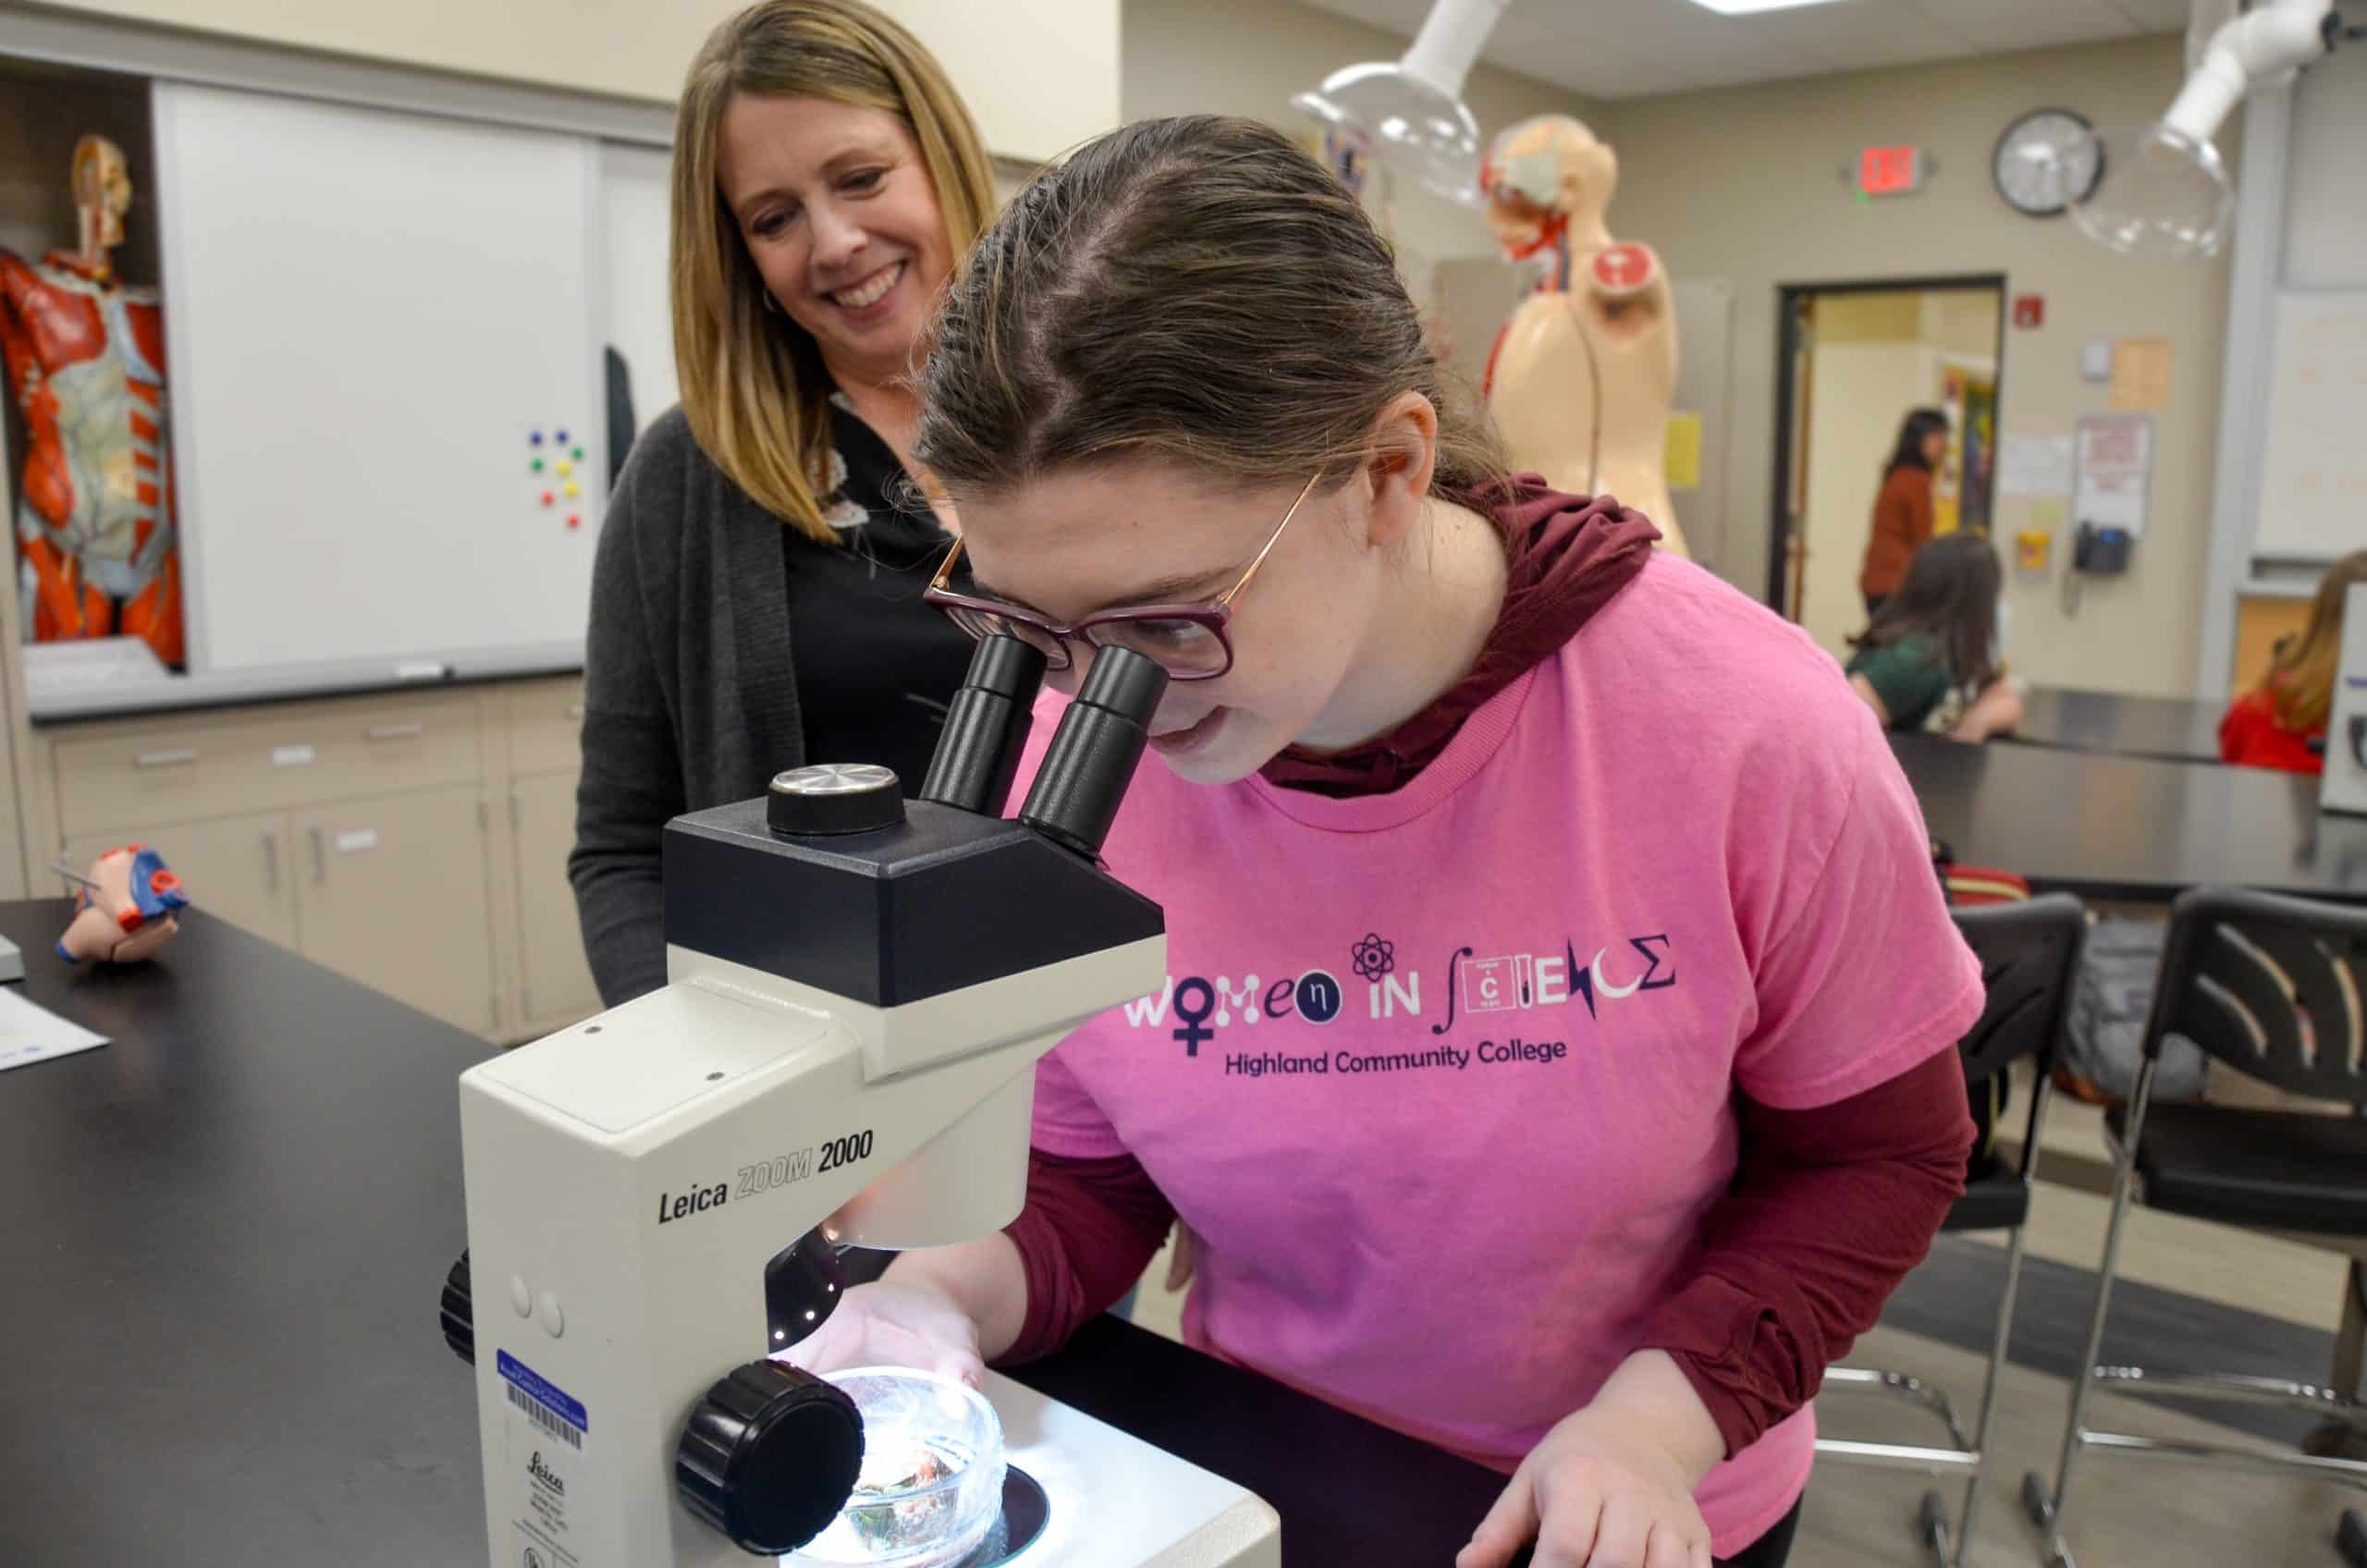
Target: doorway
(1854,358)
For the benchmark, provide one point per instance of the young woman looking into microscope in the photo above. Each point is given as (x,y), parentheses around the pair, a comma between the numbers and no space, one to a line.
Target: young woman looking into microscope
(1455,771)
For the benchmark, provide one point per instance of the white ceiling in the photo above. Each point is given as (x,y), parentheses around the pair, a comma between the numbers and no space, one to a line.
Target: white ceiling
(1634,48)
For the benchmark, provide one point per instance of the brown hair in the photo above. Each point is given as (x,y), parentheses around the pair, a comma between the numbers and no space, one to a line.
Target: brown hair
(2301,678)
(754,387)
(1198,289)
(1949,594)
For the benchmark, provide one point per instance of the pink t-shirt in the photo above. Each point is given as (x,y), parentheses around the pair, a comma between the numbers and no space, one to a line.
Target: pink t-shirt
(1441,1078)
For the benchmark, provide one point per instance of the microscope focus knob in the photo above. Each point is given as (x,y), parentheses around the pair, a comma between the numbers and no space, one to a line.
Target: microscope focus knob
(769,1457)
(456,1312)
(832,797)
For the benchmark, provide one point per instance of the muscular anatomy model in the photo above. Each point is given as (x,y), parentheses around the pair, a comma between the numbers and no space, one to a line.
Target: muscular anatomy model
(1580,379)
(85,364)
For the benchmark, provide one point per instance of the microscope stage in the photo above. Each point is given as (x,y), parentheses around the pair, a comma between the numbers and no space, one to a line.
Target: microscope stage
(1118,1503)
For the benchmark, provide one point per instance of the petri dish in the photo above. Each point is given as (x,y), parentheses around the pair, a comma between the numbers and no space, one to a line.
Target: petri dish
(932,1478)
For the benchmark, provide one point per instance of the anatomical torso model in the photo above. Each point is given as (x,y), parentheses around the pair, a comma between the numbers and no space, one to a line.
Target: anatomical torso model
(84,357)
(1581,378)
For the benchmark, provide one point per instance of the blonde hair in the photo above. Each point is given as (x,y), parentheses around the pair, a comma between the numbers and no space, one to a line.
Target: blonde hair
(2301,678)
(1197,289)
(752,383)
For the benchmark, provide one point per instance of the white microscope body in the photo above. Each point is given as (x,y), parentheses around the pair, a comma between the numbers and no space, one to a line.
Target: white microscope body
(846,1041)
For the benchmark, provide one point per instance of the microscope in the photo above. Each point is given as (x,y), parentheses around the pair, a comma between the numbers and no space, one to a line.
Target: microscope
(858,989)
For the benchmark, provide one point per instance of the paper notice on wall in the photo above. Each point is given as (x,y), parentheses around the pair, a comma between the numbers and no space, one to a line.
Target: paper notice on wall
(2140,373)
(1682,468)
(2035,465)
(2115,461)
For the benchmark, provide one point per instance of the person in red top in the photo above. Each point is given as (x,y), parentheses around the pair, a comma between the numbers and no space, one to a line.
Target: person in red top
(1903,510)
(2274,724)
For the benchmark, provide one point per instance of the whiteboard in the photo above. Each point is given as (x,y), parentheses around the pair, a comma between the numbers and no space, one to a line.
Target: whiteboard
(635,200)
(370,315)
(2314,467)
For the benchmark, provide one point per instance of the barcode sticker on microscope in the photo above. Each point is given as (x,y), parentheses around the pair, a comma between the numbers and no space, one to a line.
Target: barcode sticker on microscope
(539,1413)
(551,1408)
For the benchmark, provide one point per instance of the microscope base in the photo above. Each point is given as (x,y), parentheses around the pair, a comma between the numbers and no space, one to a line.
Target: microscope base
(1118,1503)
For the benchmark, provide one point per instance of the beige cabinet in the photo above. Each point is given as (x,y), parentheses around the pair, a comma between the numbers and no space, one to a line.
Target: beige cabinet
(415,842)
(237,867)
(555,981)
(393,893)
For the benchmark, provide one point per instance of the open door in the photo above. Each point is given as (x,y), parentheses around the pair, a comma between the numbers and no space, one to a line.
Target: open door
(1853,359)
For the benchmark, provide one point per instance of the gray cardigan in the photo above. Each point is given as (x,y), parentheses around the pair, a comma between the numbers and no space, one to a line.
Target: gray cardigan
(690,695)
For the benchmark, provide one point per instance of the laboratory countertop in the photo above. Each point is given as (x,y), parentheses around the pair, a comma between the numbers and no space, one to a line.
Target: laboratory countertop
(2171,729)
(2136,828)
(225,1235)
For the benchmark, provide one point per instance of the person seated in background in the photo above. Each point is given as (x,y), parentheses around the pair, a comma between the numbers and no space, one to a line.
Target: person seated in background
(2275,724)
(1930,660)
(1904,519)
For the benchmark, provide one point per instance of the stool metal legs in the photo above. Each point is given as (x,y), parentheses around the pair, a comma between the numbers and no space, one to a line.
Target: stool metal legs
(2046,1505)
(1948,1547)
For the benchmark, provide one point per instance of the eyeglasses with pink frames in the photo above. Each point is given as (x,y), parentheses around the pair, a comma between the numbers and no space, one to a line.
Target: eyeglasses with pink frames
(1187,640)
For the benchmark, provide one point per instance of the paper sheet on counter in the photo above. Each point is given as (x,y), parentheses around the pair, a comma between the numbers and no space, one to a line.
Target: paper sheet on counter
(34,1034)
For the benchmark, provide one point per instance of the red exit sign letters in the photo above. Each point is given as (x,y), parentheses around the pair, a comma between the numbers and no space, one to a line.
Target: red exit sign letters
(1890,171)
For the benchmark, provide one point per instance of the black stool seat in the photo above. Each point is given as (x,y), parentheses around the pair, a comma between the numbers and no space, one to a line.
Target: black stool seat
(1995,1198)
(2277,1169)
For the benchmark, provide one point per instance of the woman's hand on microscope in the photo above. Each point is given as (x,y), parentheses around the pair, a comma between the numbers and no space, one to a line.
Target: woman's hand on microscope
(1611,1487)
(893,1323)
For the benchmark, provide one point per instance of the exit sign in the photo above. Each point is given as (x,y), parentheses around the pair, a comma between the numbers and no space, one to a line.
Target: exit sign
(1890,171)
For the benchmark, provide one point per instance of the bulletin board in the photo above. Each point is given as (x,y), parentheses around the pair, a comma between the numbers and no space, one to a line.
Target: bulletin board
(2314,465)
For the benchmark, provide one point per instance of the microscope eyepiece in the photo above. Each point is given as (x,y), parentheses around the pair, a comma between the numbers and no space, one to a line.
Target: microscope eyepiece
(1093,755)
(985,727)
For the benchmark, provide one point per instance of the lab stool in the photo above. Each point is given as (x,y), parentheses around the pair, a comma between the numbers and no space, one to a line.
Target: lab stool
(2272,988)
(2029,957)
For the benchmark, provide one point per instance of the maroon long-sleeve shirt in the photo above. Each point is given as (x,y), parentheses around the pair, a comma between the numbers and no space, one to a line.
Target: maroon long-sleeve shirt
(1830,1207)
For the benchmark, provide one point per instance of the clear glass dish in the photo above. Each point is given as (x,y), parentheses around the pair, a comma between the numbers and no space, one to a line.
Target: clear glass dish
(931,1484)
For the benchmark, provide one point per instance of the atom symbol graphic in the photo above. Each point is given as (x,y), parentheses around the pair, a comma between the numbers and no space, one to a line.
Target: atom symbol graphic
(1374,957)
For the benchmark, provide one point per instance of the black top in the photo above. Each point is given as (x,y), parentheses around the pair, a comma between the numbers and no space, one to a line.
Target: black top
(875,665)
(892,917)
(218,1269)
(2133,828)
(2174,728)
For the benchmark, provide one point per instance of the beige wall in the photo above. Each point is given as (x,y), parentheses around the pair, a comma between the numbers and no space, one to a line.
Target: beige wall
(1249,57)
(1743,183)
(1962,321)
(1039,74)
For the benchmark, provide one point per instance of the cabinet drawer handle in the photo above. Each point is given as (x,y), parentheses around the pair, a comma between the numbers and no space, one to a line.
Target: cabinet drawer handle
(179,756)
(320,858)
(271,862)
(396,731)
